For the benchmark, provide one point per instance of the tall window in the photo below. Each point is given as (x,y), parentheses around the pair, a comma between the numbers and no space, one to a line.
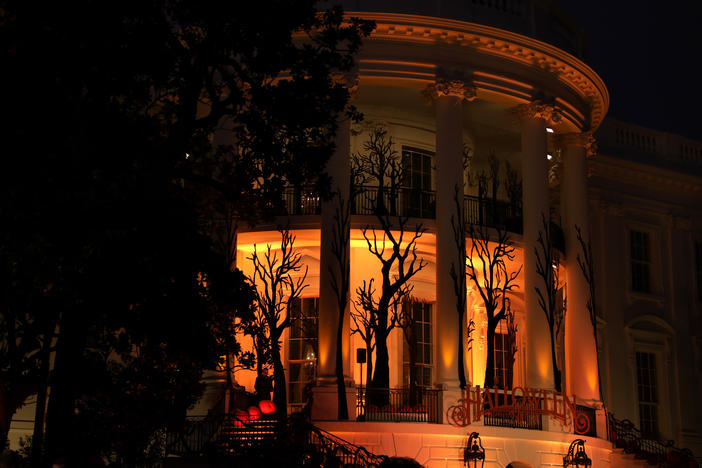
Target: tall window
(303,344)
(417,181)
(698,268)
(640,262)
(647,393)
(420,371)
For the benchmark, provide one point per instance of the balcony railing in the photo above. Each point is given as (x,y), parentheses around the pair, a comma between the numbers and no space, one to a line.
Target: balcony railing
(300,201)
(493,213)
(402,201)
(421,405)
(512,411)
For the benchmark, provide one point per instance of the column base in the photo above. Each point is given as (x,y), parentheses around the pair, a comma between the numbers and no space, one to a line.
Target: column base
(325,402)
(450,394)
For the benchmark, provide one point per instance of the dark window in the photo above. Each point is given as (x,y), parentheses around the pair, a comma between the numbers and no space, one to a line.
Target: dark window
(303,344)
(417,166)
(416,198)
(640,262)
(698,268)
(421,338)
(647,386)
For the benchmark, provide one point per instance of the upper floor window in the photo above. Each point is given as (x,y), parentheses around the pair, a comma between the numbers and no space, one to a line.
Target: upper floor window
(303,348)
(417,166)
(640,262)
(417,199)
(647,386)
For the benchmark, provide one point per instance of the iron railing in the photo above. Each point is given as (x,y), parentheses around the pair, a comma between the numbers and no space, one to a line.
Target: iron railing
(516,413)
(194,437)
(623,434)
(400,201)
(399,405)
(341,451)
(229,436)
(301,201)
(492,213)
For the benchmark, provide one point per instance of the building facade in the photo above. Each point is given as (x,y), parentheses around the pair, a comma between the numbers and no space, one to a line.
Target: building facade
(496,123)
(493,125)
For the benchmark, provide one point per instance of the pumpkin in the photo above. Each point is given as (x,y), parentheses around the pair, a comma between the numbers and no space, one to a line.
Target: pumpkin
(254,413)
(266,406)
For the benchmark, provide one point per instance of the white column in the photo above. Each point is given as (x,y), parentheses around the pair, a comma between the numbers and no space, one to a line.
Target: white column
(449,178)
(325,393)
(582,377)
(539,368)
(449,97)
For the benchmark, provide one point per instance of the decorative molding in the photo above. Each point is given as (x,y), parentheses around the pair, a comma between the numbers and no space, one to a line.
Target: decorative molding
(498,43)
(450,84)
(367,126)
(584,140)
(538,109)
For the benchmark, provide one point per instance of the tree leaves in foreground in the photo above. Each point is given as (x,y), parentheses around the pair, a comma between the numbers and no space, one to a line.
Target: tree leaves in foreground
(130,120)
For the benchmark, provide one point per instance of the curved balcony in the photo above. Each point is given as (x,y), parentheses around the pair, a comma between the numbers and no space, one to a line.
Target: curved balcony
(493,213)
(402,201)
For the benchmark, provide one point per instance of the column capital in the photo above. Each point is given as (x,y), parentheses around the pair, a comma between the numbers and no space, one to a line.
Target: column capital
(538,109)
(584,140)
(450,84)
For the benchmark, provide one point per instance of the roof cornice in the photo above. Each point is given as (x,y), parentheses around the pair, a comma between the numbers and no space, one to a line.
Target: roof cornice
(497,43)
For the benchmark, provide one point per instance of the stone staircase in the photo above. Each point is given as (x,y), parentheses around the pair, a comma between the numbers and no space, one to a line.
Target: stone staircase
(632,449)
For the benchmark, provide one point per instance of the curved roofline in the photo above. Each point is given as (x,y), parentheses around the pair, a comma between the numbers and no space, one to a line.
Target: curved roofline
(501,44)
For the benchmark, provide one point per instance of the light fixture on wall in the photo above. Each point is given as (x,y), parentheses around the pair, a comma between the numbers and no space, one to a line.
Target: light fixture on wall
(576,455)
(474,451)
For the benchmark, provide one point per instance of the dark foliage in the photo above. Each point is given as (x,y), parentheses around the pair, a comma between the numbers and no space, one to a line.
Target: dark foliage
(128,120)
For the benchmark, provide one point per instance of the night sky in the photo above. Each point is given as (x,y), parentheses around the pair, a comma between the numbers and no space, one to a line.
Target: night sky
(649,54)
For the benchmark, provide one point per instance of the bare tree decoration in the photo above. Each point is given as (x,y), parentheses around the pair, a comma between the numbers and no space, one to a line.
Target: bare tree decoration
(379,162)
(587,267)
(395,249)
(408,324)
(363,326)
(340,282)
(458,224)
(469,334)
(276,292)
(547,269)
(486,267)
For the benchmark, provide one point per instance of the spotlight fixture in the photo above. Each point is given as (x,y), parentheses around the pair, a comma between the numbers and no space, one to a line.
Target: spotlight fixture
(549,156)
(549,129)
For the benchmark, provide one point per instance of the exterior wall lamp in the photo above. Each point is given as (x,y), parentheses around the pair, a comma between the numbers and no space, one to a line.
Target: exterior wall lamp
(474,451)
(576,455)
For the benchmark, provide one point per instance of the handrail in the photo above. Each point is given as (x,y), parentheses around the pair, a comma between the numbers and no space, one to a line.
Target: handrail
(399,405)
(623,434)
(346,453)
(492,213)
(395,201)
(229,435)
